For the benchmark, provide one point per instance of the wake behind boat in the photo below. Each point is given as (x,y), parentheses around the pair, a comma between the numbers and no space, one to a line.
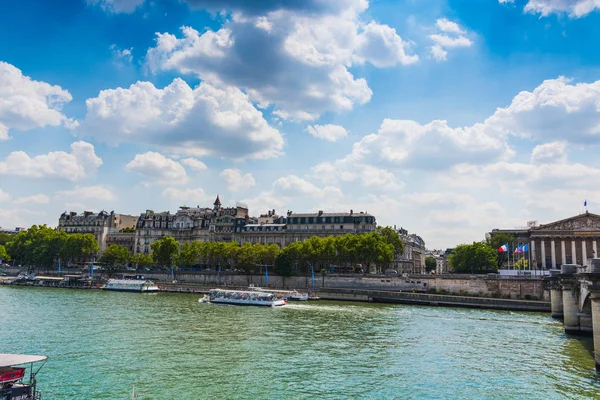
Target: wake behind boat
(242,298)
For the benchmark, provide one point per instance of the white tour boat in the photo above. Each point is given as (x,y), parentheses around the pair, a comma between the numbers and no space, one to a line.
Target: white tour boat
(291,295)
(131,285)
(243,298)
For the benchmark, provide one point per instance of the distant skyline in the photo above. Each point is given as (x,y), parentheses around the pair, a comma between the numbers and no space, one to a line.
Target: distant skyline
(445,117)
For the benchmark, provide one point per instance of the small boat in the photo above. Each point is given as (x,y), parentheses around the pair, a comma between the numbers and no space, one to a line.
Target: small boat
(243,298)
(14,383)
(131,285)
(290,295)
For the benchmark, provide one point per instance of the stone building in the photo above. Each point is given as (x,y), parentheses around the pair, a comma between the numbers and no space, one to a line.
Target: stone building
(282,231)
(99,225)
(412,260)
(125,239)
(572,240)
(150,227)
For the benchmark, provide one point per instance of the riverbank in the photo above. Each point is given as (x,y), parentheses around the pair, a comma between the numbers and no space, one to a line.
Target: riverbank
(364,295)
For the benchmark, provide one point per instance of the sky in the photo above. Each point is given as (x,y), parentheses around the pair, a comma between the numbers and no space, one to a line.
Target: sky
(448,118)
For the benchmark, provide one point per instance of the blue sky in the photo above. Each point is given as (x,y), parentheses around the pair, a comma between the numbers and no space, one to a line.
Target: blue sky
(446,117)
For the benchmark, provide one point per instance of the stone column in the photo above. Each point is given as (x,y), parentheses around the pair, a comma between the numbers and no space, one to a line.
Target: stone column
(533,264)
(596,326)
(562,250)
(583,252)
(570,306)
(543,254)
(595,248)
(553,254)
(573,252)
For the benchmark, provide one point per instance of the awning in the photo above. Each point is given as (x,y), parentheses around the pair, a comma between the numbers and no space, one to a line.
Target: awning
(8,360)
(48,278)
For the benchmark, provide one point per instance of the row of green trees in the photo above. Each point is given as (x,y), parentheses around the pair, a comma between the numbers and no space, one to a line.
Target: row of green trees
(41,246)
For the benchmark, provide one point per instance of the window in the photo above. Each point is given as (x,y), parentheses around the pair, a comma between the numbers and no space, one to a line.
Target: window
(310,220)
(302,220)
(328,220)
(341,226)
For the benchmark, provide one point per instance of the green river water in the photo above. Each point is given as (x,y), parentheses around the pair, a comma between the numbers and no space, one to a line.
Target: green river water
(170,346)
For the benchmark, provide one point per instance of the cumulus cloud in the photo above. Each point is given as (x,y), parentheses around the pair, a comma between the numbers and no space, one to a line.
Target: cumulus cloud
(236,180)
(4,196)
(292,185)
(194,164)
(27,104)
(264,6)
(203,121)
(573,8)
(97,193)
(549,153)
(450,35)
(121,57)
(328,132)
(303,66)
(117,6)
(57,164)
(189,196)
(34,199)
(157,168)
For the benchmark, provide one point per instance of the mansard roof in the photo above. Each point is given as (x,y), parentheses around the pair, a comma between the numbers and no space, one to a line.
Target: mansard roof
(344,214)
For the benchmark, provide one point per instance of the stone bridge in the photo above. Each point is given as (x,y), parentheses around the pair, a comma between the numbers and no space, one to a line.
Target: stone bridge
(575,298)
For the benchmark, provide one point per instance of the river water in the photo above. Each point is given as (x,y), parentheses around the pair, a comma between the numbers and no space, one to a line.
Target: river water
(101,344)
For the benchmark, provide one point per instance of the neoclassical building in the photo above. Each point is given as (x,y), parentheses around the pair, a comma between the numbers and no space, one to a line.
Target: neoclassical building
(572,240)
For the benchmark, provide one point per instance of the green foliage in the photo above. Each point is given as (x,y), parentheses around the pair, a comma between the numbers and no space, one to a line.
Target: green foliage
(5,238)
(41,246)
(165,251)
(189,253)
(497,240)
(3,254)
(115,256)
(127,230)
(284,264)
(392,237)
(522,263)
(142,260)
(477,258)
(430,263)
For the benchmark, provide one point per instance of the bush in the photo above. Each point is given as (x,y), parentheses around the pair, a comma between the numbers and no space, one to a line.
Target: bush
(462,293)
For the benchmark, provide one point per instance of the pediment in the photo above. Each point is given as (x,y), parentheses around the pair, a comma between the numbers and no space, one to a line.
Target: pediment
(583,222)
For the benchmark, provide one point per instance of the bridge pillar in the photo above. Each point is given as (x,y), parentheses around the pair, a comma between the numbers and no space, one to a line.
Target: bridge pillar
(570,295)
(595,296)
(556,303)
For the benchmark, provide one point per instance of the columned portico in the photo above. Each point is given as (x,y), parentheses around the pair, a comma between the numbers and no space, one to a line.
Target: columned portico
(583,253)
(562,252)
(573,252)
(544,255)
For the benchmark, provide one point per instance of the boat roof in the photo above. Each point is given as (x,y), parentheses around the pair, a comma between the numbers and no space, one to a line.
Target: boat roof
(131,281)
(49,278)
(8,360)
(241,291)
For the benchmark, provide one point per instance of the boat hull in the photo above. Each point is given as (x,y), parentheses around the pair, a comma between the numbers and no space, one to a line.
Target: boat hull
(145,290)
(275,303)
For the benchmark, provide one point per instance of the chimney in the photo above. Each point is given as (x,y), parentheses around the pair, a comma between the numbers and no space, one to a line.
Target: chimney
(351,212)
(320,212)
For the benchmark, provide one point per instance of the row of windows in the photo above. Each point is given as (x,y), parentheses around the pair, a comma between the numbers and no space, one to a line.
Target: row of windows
(329,220)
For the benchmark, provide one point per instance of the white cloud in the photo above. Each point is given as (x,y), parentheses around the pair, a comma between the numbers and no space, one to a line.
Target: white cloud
(549,153)
(574,8)
(121,57)
(450,36)
(188,196)
(4,196)
(292,185)
(17,216)
(445,25)
(328,132)
(194,164)
(117,6)
(97,193)
(27,104)
(34,199)
(57,164)
(237,181)
(303,68)
(157,168)
(203,121)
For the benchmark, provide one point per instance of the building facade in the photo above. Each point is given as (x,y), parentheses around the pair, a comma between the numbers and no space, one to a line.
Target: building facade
(572,240)
(99,225)
(412,259)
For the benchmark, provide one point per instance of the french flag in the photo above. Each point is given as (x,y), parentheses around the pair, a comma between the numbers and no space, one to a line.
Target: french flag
(503,248)
(519,249)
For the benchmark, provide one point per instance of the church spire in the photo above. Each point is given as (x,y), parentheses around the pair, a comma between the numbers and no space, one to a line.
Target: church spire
(217,202)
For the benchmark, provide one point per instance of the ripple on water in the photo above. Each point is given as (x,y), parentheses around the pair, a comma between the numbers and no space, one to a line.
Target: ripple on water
(102,343)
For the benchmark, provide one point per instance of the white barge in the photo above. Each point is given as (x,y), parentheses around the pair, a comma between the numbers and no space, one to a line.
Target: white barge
(131,285)
(243,298)
(290,295)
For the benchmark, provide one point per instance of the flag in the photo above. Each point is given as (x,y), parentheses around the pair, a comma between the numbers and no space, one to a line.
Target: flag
(519,249)
(503,248)
(585,203)
(525,248)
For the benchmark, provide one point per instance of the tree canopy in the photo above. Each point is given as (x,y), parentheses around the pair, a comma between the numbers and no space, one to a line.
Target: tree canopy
(3,254)
(165,251)
(430,263)
(476,258)
(115,257)
(392,237)
(498,239)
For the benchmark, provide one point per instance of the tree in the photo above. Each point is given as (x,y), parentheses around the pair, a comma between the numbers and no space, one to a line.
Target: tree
(3,254)
(430,263)
(392,237)
(115,257)
(165,251)
(142,260)
(188,254)
(498,239)
(5,238)
(127,230)
(474,258)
